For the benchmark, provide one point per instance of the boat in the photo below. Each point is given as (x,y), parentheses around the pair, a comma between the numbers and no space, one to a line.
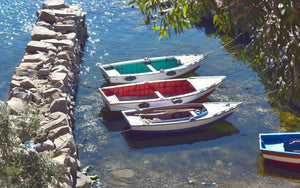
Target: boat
(159,92)
(178,117)
(157,68)
(281,147)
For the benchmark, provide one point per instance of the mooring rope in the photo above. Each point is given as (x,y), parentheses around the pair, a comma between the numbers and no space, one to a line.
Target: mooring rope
(223,46)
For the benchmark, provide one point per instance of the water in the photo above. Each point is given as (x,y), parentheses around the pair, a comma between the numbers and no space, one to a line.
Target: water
(224,154)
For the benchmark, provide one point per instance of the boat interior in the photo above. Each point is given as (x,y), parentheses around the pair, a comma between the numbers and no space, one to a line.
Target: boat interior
(182,115)
(145,66)
(150,90)
(165,114)
(284,143)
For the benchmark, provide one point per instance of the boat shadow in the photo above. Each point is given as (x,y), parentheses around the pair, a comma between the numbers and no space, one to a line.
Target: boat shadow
(274,169)
(113,121)
(213,131)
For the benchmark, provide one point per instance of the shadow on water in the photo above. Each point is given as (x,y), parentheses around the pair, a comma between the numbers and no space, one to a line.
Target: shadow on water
(213,131)
(274,169)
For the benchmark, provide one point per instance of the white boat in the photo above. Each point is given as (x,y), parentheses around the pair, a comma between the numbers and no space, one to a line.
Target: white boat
(159,92)
(178,117)
(157,68)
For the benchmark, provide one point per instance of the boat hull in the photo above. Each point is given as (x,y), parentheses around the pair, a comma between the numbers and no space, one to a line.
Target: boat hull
(115,104)
(114,77)
(278,147)
(182,125)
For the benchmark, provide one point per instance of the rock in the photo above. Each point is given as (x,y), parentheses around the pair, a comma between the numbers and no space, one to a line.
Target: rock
(59,160)
(34,47)
(58,76)
(55,124)
(26,83)
(14,83)
(59,105)
(55,4)
(44,24)
(57,43)
(46,15)
(21,93)
(65,141)
(16,105)
(82,181)
(34,58)
(48,145)
(63,55)
(64,28)
(40,33)
(55,133)
(25,72)
(127,173)
(49,92)
(44,72)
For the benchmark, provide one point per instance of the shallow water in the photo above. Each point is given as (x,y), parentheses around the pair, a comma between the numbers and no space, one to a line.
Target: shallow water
(224,154)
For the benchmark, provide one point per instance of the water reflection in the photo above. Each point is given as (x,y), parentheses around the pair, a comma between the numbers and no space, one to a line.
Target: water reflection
(274,169)
(210,132)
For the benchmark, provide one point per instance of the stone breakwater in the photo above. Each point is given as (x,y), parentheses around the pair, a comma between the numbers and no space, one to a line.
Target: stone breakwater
(47,78)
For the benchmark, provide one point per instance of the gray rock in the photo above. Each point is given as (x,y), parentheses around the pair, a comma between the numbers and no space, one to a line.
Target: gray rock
(16,105)
(55,133)
(59,105)
(21,93)
(65,141)
(48,145)
(35,46)
(49,92)
(25,72)
(34,58)
(44,72)
(55,124)
(46,15)
(44,24)
(27,84)
(82,181)
(40,33)
(58,115)
(57,43)
(64,55)
(55,4)
(58,76)
(14,83)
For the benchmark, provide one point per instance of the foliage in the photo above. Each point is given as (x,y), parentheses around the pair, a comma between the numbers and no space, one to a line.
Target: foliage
(273,26)
(21,167)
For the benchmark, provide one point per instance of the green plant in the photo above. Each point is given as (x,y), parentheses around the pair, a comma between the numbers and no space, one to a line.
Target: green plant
(20,167)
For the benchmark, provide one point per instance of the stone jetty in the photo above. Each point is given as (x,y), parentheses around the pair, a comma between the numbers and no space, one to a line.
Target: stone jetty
(47,78)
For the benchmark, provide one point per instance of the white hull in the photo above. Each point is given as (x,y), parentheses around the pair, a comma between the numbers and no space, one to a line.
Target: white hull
(215,110)
(203,87)
(189,64)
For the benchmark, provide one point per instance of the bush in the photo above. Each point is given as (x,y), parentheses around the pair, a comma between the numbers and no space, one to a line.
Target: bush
(20,167)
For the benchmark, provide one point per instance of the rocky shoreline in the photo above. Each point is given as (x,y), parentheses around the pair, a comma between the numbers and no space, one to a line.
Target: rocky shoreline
(47,78)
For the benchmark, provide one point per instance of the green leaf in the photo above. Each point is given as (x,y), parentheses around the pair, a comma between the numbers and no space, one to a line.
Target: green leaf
(140,22)
(185,8)
(215,18)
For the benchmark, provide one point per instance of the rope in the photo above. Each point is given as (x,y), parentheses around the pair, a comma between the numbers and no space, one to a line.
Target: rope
(225,44)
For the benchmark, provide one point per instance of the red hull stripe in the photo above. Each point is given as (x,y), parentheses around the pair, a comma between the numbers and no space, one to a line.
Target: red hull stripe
(294,156)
